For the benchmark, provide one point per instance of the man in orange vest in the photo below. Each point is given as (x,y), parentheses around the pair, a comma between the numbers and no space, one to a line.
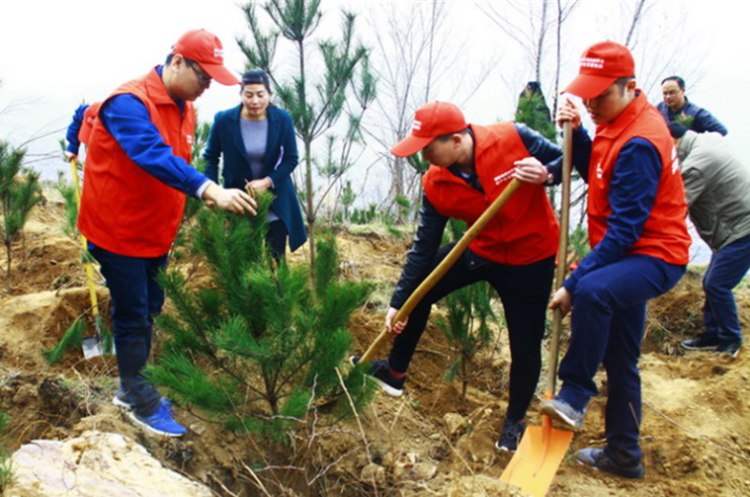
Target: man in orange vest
(636,212)
(137,178)
(470,166)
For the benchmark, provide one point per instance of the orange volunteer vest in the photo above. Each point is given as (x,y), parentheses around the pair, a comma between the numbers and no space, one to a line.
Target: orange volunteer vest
(665,234)
(526,229)
(124,209)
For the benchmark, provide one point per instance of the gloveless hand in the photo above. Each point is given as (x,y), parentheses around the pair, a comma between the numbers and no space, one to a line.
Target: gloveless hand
(530,170)
(230,199)
(568,111)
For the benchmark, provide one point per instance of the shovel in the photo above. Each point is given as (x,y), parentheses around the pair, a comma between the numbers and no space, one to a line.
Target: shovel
(444,265)
(542,449)
(92,346)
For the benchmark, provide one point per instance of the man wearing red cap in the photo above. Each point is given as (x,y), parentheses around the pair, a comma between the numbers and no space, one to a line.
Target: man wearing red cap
(137,176)
(636,212)
(470,166)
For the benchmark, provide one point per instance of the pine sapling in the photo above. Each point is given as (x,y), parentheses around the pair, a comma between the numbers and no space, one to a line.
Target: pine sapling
(258,348)
(19,193)
(467,325)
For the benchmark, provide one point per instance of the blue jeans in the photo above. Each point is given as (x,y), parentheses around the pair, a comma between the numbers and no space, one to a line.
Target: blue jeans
(136,298)
(725,271)
(609,315)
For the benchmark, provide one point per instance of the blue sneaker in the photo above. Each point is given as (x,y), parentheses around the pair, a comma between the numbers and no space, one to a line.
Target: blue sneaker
(731,347)
(160,422)
(704,341)
(511,435)
(121,400)
(598,459)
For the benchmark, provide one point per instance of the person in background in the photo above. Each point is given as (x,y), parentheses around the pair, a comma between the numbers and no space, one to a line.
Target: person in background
(470,166)
(676,107)
(80,129)
(137,177)
(638,233)
(257,145)
(717,186)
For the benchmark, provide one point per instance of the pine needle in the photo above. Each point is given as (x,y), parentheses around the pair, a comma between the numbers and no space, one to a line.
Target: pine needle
(73,338)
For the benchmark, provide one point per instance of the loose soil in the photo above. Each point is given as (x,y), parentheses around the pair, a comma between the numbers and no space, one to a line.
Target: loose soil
(432,441)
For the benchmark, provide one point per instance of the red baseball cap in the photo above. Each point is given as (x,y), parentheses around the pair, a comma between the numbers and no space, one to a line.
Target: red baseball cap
(430,121)
(601,65)
(205,48)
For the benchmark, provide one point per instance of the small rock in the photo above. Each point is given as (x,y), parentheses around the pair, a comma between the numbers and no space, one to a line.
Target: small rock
(455,424)
(373,473)
(423,471)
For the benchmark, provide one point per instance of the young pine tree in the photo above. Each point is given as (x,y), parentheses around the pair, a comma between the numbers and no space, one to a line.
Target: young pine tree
(532,111)
(260,347)
(467,324)
(19,193)
(330,88)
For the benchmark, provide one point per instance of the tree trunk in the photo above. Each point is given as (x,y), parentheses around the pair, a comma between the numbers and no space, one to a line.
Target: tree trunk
(10,257)
(310,207)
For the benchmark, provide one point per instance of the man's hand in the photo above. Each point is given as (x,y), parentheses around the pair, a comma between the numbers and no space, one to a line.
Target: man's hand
(397,328)
(562,299)
(231,199)
(70,156)
(568,111)
(530,170)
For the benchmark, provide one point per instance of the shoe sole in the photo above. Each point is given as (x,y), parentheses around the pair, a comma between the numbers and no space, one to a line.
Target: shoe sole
(708,348)
(121,403)
(151,429)
(393,392)
(555,414)
(503,448)
(729,354)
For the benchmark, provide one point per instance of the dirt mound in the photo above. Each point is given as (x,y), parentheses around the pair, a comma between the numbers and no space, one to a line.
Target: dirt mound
(431,441)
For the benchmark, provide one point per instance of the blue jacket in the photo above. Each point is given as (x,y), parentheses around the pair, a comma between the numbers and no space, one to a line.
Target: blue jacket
(225,142)
(703,120)
(75,126)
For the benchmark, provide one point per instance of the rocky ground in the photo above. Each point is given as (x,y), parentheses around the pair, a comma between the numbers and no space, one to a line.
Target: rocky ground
(430,442)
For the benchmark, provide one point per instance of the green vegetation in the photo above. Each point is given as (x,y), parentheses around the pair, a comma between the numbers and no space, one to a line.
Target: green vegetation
(260,347)
(19,193)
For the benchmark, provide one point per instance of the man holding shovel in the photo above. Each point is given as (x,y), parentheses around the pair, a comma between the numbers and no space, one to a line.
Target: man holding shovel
(137,176)
(470,166)
(636,213)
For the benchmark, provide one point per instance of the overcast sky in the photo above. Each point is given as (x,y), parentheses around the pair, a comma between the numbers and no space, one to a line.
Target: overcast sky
(56,54)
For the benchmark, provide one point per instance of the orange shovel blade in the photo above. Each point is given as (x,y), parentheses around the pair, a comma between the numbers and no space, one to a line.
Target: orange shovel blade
(535,463)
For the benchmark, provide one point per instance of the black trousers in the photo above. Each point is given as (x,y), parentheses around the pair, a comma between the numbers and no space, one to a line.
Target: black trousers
(276,239)
(524,292)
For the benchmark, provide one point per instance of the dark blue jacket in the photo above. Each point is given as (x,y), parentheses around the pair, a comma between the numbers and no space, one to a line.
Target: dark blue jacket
(225,142)
(75,126)
(703,120)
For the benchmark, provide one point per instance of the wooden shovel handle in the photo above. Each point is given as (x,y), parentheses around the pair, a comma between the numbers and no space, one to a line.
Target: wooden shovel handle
(562,253)
(445,264)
